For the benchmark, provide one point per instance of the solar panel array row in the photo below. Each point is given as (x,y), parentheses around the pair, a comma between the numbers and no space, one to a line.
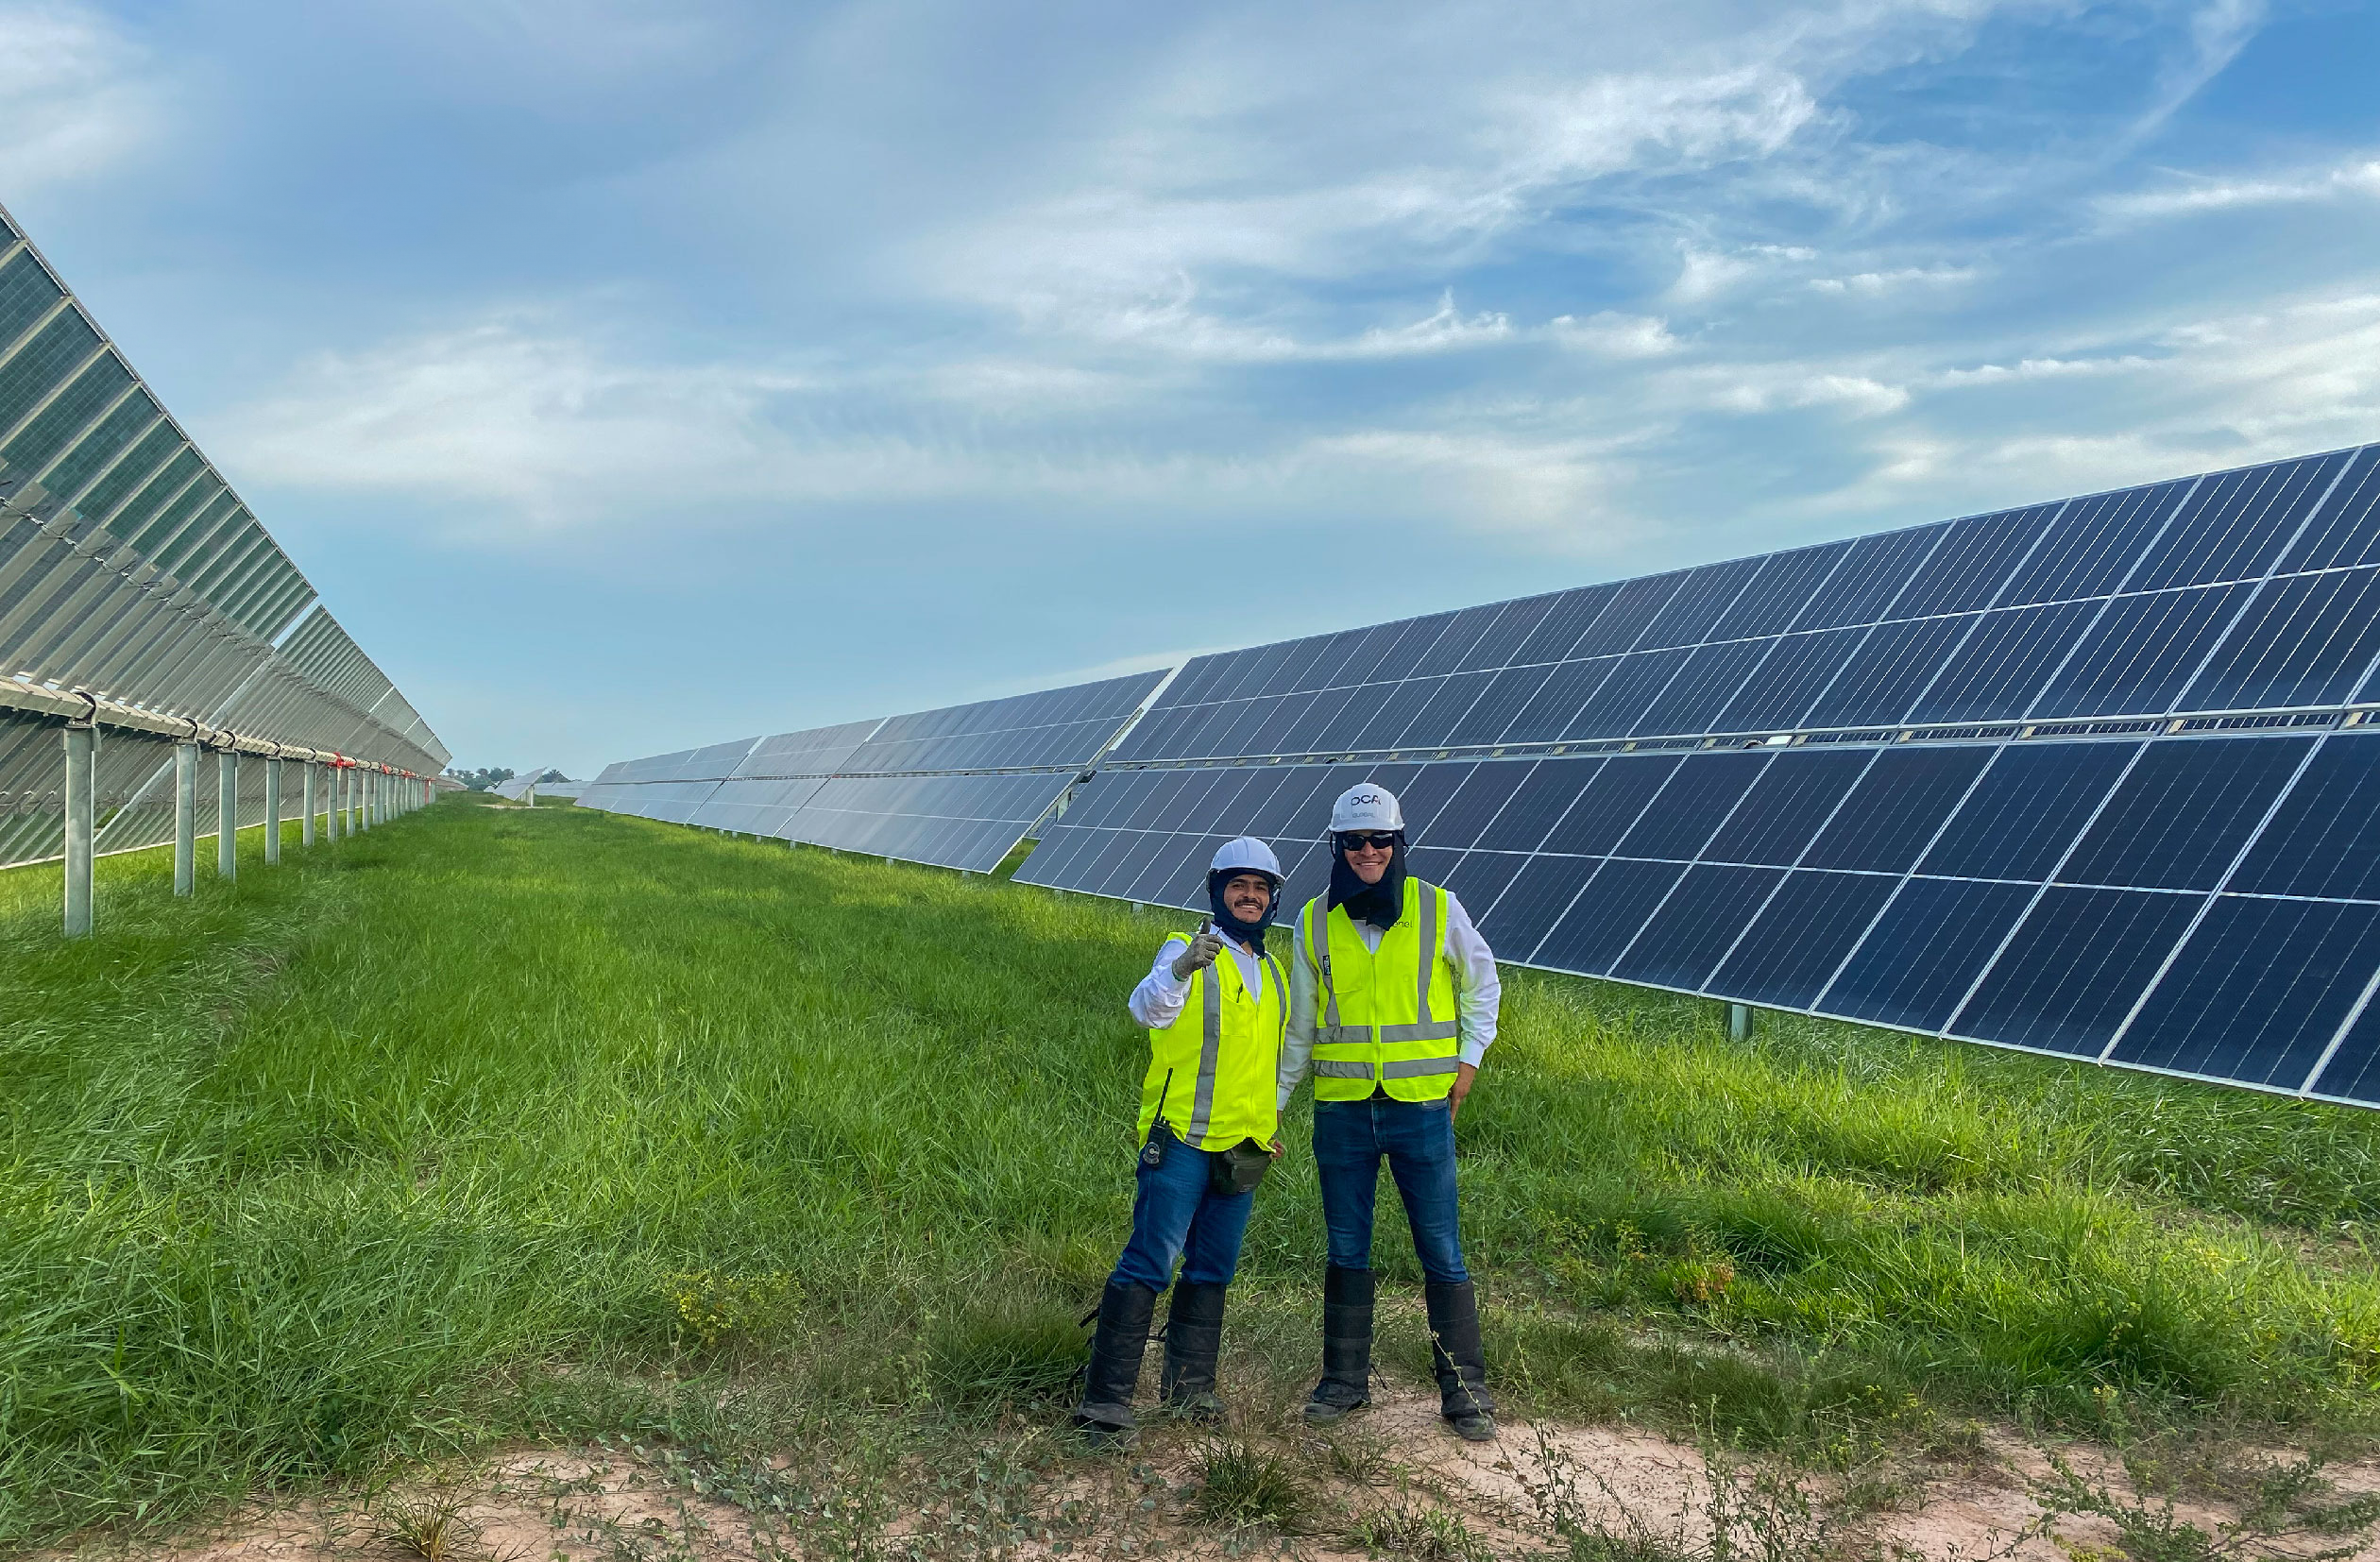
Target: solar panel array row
(956,787)
(2103,874)
(129,568)
(2028,895)
(1051,727)
(2255,589)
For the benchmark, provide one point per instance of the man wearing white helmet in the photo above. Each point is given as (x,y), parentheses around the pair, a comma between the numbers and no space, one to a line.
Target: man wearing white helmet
(1393,1005)
(1214,1004)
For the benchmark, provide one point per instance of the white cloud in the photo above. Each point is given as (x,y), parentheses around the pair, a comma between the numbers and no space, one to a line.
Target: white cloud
(1561,491)
(1177,327)
(2039,368)
(2190,196)
(2217,30)
(545,427)
(1615,122)
(2224,391)
(1220,182)
(1613,335)
(1704,274)
(1443,331)
(1871,283)
(541,422)
(1751,389)
(81,95)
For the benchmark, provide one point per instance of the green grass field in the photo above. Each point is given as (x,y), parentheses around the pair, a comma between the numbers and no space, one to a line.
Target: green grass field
(516,1123)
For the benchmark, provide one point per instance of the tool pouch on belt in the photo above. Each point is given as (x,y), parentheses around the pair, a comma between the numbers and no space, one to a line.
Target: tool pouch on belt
(1238,1169)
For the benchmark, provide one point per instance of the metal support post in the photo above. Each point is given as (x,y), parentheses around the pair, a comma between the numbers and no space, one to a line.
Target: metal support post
(272,810)
(228,814)
(363,802)
(1739,1022)
(306,831)
(83,757)
(185,819)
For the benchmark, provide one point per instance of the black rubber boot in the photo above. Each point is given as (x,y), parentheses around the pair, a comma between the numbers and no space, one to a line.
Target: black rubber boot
(1194,1339)
(1347,1337)
(1109,1383)
(1462,1366)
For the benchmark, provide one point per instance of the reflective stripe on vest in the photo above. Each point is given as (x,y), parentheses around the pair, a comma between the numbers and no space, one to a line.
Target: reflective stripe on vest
(1210,1048)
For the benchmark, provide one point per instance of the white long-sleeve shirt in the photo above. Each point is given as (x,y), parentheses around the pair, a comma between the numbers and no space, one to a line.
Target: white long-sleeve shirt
(1157,1001)
(1478,991)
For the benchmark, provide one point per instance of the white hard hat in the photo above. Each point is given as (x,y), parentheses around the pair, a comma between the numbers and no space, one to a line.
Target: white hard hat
(1245,856)
(1367,808)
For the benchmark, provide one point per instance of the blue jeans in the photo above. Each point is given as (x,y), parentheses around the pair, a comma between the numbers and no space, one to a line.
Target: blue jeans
(1175,1217)
(1418,1137)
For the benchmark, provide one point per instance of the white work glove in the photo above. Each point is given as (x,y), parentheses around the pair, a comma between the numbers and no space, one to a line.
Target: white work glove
(1205,945)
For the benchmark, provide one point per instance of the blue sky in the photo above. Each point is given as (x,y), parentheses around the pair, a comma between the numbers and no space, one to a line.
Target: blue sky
(631,376)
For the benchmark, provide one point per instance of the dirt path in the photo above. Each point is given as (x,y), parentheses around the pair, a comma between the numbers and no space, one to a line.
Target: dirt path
(1392,1483)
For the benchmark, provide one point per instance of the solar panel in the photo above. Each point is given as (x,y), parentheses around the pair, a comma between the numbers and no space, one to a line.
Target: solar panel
(776,775)
(957,787)
(2091,778)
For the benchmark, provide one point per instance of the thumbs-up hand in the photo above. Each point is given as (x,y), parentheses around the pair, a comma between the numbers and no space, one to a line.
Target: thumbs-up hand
(1205,945)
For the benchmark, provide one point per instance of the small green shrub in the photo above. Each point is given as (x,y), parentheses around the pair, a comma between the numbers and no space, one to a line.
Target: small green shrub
(1242,1485)
(716,1307)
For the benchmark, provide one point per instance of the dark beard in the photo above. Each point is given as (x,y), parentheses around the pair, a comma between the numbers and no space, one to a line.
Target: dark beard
(1378,904)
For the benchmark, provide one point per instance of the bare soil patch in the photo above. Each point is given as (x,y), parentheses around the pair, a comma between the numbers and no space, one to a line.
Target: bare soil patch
(1390,1482)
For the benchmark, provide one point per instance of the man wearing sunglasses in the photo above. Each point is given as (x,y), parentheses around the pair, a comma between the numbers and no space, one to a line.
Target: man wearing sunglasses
(1392,1003)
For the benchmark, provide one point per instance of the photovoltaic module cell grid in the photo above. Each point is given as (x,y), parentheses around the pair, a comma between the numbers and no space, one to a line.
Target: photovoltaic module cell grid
(957,787)
(2245,590)
(2086,778)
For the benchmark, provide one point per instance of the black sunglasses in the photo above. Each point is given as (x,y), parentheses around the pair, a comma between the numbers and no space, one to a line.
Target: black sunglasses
(1355,841)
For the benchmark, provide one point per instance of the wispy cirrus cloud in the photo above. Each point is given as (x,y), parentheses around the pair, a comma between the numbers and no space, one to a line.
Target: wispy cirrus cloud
(83,95)
(1612,333)
(2357,179)
(1875,283)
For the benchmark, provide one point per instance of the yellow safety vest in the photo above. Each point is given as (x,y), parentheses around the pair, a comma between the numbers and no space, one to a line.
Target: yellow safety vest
(1215,1074)
(1387,1020)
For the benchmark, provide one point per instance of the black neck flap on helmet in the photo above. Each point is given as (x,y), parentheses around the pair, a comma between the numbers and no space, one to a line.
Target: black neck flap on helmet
(1378,904)
(1230,927)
